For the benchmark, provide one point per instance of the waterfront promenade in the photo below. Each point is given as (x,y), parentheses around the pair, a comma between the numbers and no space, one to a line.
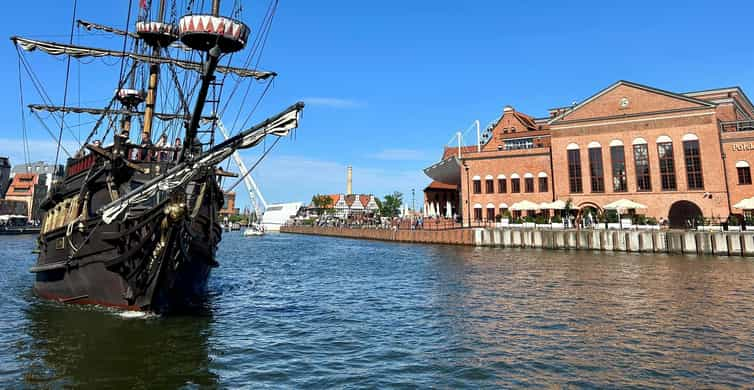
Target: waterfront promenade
(725,243)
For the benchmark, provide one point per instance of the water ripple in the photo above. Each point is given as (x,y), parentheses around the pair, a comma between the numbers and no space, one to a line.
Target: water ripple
(311,312)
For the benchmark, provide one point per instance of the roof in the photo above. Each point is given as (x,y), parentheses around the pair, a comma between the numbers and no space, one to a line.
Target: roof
(451,151)
(437,185)
(364,199)
(634,85)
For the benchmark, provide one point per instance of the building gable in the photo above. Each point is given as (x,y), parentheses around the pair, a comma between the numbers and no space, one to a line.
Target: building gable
(511,124)
(627,98)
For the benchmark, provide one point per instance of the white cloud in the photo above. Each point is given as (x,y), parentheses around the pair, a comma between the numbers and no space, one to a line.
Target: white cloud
(401,155)
(333,102)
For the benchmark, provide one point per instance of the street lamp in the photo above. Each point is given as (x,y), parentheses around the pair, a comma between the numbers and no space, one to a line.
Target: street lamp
(468,208)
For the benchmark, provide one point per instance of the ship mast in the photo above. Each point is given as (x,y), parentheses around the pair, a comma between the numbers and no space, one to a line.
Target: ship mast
(154,78)
(213,58)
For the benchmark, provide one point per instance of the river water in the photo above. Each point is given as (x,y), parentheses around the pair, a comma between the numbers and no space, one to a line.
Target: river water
(290,311)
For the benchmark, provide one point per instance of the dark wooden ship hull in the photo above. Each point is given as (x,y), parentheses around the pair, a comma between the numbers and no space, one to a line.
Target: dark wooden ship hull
(157,258)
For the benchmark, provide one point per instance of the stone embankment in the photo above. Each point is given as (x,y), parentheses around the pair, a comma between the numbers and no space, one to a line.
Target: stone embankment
(452,237)
(664,241)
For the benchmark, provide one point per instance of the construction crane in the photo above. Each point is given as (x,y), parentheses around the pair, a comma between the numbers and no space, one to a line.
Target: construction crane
(255,196)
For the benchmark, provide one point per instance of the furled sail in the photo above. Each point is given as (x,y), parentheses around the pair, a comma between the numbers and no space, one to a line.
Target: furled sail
(55,48)
(279,125)
(100,111)
(94,26)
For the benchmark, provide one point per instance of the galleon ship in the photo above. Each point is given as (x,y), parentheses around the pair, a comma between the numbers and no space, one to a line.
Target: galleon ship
(134,221)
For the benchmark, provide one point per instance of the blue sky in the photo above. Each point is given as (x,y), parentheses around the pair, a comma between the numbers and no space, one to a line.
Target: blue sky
(389,83)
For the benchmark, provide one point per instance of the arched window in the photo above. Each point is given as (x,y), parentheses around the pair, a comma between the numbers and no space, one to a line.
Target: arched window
(515,183)
(744,172)
(502,184)
(693,160)
(477,212)
(490,212)
(618,165)
(502,208)
(667,163)
(528,182)
(543,184)
(641,164)
(489,184)
(574,168)
(596,171)
(477,184)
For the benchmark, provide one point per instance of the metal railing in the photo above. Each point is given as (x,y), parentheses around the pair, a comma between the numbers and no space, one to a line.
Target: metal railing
(733,126)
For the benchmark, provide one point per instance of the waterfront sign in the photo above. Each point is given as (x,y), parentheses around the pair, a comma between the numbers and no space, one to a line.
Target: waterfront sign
(743,147)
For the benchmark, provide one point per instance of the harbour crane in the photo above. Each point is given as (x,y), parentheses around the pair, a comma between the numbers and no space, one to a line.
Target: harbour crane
(255,196)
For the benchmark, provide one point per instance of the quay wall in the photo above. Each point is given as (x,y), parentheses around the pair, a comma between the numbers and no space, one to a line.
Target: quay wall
(451,237)
(657,241)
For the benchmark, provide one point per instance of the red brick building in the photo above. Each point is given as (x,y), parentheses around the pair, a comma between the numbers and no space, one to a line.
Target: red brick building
(680,154)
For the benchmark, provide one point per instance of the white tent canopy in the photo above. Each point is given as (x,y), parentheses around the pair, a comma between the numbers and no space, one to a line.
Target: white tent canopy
(624,204)
(558,205)
(746,204)
(524,205)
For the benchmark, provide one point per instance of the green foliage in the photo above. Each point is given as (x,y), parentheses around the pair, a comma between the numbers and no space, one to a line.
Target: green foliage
(734,220)
(528,218)
(611,216)
(651,221)
(557,219)
(640,219)
(390,205)
(237,218)
(540,219)
(322,202)
(506,214)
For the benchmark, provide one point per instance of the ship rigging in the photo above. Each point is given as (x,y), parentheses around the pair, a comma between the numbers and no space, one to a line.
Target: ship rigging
(134,221)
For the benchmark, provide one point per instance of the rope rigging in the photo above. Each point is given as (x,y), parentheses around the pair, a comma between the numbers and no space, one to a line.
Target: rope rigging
(65,88)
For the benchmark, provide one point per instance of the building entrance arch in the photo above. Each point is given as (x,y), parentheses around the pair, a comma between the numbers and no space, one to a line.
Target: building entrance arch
(683,214)
(589,213)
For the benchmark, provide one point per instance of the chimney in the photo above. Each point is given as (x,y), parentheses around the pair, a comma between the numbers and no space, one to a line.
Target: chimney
(349,181)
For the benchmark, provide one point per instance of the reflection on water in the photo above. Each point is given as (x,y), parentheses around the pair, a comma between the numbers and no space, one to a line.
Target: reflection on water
(312,312)
(76,346)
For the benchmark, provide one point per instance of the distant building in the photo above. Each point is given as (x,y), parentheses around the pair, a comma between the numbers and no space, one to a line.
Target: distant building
(229,205)
(41,168)
(681,155)
(4,175)
(13,207)
(346,205)
(30,188)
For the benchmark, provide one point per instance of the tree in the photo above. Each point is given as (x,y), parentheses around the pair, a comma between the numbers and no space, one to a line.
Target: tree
(390,205)
(323,202)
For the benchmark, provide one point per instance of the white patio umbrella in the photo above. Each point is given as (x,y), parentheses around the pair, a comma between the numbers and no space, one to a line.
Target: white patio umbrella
(558,205)
(623,204)
(544,206)
(426,212)
(448,210)
(746,204)
(525,205)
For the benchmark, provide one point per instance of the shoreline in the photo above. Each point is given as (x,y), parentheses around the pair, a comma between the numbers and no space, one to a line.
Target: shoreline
(723,243)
